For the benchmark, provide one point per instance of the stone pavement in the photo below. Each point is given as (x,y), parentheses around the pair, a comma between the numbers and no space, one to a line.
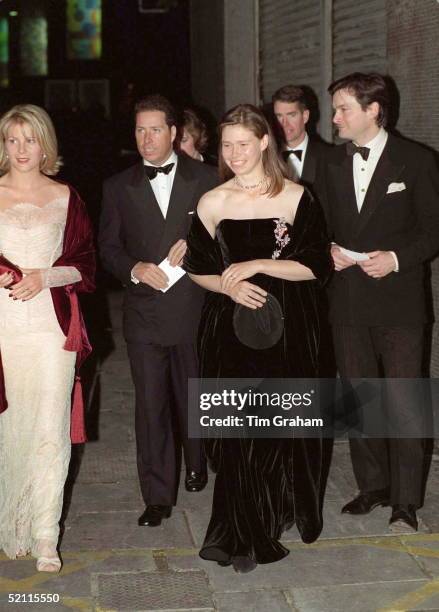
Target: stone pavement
(112,564)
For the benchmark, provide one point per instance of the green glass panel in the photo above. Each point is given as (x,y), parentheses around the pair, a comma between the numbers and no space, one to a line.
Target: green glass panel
(84,29)
(4,52)
(33,46)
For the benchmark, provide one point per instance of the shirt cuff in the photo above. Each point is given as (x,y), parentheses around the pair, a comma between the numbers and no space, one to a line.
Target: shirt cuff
(58,276)
(393,254)
(133,278)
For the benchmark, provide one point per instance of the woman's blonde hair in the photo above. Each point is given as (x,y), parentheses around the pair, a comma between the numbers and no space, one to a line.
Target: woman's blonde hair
(253,119)
(42,129)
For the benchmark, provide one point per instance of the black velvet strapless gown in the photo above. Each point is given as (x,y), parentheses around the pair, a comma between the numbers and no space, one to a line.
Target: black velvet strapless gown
(262,486)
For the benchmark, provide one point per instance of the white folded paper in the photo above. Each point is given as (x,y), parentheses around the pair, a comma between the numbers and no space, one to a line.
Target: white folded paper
(354,254)
(174,273)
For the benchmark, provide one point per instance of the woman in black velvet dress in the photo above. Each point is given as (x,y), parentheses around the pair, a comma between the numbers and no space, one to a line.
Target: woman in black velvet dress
(255,234)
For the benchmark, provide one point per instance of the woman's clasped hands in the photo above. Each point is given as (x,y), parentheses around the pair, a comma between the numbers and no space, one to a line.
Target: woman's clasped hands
(235,285)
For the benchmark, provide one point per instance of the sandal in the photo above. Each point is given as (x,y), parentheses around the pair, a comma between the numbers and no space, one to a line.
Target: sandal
(49,564)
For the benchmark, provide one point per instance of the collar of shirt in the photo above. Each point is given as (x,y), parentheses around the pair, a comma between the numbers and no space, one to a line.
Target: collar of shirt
(162,184)
(363,170)
(377,144)
(301,147)
(171,159)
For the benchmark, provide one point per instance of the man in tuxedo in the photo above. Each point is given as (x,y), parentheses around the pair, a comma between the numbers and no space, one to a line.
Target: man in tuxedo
(303,155)
(382,204)
(146,214)
(305,158)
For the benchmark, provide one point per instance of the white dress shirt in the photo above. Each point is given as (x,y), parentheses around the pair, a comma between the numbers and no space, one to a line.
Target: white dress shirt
(294,161)
(363,171)
(162,187)
(162,183)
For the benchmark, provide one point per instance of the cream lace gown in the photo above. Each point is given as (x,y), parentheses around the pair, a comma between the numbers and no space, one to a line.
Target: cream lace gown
(35,429)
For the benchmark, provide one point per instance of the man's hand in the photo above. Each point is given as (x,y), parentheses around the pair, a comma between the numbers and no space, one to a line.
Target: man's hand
(30,285)
(151,275)
(247,294)
(379,264)
(341,262)
(177,252)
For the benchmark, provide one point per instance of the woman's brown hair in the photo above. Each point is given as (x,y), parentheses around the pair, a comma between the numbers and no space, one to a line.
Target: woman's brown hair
(252,118)
(196,128)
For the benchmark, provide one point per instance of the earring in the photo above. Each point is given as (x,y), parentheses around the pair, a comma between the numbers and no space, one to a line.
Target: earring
(44,157)
(7,156)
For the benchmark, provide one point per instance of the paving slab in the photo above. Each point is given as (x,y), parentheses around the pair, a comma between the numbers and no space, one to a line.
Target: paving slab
(114,529)
(102,497)
(256,601)
(41,607)
(98,465)
(426,553)
(359,597)
(305,567)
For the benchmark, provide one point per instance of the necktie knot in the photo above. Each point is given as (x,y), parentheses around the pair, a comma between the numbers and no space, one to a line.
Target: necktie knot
(152,171)
(297,152)
(352,148)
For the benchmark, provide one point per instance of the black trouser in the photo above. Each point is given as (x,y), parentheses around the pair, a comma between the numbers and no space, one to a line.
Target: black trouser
(160,375)
(392,352)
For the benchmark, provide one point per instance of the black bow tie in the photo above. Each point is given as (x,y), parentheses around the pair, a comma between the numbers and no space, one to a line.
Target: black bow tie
(297,152)
(152,171)
(352,148)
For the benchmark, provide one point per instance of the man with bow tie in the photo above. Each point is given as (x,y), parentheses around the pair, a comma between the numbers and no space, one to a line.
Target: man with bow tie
(146,214)
(382,205)
(303,155)
(305,158)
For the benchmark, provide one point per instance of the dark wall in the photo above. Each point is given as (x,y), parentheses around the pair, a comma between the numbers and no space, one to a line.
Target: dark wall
(152,51)
(207,51)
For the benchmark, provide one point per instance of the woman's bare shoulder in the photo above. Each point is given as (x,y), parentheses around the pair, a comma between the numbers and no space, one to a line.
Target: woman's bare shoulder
(289,198)
(215,198)
(293,189)
(56,189)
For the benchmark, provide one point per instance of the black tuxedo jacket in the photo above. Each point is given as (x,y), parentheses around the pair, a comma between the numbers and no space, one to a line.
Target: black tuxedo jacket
(403,219)
(132,229)
(315,158)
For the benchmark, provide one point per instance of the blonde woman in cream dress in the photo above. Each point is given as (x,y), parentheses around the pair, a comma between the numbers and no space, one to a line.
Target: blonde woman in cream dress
(38,371)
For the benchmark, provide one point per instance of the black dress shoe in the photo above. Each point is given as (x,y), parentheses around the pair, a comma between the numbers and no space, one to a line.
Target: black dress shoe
(195,481)
(365,502)
(153,515)
(243,564)
(403,516)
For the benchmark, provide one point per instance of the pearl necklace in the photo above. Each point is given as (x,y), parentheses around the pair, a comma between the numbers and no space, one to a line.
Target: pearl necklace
(258,185)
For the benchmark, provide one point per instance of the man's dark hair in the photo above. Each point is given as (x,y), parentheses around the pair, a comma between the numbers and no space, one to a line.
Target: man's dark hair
(366,88)
(157,102)
(291,93)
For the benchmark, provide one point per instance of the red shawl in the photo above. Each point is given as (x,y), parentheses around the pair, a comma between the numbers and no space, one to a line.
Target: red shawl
(78,251)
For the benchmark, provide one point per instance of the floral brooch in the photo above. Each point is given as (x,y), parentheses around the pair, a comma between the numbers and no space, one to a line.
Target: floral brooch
(281,235)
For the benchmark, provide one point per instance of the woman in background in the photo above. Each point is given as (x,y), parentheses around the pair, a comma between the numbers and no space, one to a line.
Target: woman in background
(46,236)
(194,139)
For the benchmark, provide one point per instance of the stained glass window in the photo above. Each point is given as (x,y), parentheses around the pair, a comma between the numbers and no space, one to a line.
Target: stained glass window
(33,46)
(4,52)
(84,25)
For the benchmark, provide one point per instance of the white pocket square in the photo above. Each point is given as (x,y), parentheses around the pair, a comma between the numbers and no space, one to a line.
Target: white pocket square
(395,187)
